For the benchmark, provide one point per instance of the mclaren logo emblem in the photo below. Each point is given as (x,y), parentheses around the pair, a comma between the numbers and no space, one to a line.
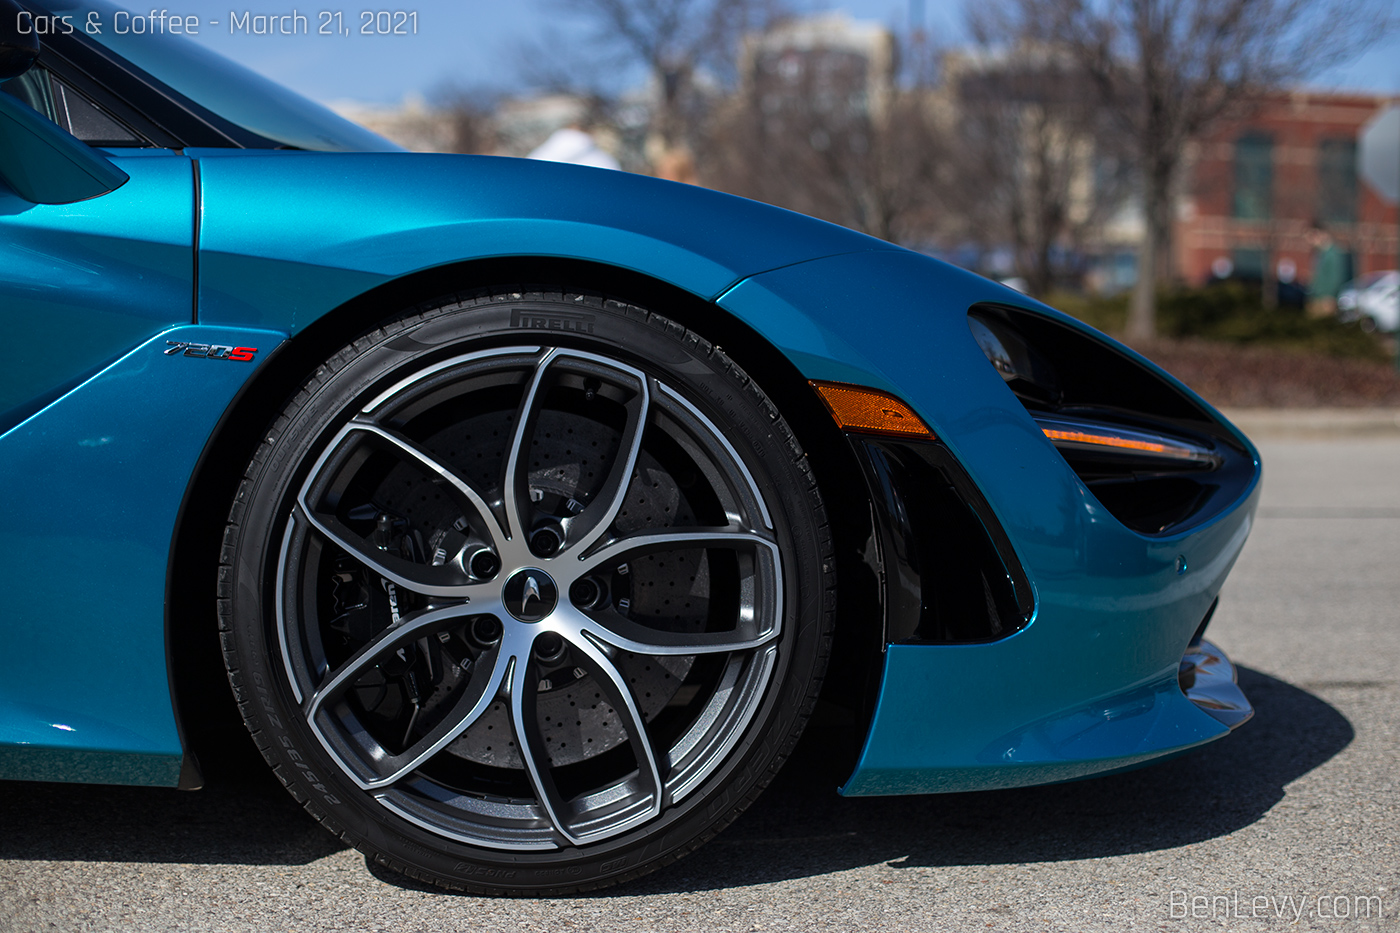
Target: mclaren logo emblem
(532,591)
(530,594)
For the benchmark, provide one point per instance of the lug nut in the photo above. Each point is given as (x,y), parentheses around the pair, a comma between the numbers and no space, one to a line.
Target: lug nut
(484,564)
(485,631)
(549,647)
(545,541)
(585,593)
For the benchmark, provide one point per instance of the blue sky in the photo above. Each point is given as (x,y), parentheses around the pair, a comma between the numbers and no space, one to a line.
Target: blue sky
(477,43)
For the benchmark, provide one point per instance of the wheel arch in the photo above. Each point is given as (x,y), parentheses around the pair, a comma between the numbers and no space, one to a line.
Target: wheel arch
(203,705)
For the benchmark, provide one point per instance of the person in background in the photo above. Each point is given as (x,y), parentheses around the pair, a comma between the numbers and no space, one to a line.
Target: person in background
(574,144)
(1329,272)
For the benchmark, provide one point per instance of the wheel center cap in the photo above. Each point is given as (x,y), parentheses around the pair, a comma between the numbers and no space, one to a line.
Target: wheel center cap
(530,595)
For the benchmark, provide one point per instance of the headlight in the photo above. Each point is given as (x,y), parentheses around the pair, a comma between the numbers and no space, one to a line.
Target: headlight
(1157,459)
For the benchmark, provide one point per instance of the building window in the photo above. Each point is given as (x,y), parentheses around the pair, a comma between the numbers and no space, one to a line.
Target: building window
(1248,264)
(1254,177)
(1336,181)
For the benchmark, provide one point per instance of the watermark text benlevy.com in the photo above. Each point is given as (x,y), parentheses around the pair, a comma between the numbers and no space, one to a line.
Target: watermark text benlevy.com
(1184,905)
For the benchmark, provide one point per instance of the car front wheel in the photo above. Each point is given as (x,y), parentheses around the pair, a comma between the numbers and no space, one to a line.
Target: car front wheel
(527,593)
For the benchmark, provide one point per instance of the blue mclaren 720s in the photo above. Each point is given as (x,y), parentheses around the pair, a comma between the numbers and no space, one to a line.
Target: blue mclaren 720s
(528,509)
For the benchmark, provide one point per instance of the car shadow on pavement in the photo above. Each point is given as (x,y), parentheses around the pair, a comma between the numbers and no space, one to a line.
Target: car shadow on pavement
(243,816)
(798,828)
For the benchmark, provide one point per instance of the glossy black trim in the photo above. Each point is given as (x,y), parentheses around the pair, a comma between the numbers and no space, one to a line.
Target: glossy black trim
(948,572)
(70,75)
(1205,623)
(18,51)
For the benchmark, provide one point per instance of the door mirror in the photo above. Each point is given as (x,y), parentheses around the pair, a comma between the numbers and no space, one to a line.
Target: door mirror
(45,165)
(19,43)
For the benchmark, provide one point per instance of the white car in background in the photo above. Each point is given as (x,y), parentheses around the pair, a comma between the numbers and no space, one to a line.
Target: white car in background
(1373,299)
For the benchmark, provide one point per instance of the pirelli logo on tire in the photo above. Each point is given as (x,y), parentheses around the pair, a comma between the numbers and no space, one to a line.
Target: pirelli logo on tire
(567,321)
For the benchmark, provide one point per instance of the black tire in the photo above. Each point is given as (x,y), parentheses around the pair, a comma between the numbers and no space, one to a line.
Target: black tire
(666,508)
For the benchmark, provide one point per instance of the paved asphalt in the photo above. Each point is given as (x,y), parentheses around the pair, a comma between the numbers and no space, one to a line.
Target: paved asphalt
(1296,811)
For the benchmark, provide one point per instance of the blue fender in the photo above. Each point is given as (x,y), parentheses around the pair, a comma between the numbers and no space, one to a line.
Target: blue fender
(81,284)
(289,236)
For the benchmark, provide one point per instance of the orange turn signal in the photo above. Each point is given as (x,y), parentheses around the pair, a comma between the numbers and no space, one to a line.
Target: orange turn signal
(868,411)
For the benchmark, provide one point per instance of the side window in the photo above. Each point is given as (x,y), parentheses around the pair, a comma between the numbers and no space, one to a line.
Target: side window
(1336,180)
(1254,177)
(46,93)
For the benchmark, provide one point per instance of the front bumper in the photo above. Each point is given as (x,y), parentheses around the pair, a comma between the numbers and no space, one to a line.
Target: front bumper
(1090,664)
(1201,703)
(1097,670)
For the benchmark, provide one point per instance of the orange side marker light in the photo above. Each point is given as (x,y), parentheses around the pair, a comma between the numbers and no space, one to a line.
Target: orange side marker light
(869,411)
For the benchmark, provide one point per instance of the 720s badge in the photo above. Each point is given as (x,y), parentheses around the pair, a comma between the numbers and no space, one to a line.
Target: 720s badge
(212,351)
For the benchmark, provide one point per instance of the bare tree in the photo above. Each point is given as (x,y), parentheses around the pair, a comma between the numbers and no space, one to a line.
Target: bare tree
(673,40)
(1034,164)
(469,115)
(824,129)
(1167,69)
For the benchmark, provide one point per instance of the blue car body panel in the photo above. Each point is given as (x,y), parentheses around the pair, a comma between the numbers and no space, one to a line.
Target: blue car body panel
(84,693)
(81,284)
(287,237)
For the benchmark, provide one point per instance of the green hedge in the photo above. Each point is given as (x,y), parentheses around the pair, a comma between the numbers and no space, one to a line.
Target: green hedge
(1232,312)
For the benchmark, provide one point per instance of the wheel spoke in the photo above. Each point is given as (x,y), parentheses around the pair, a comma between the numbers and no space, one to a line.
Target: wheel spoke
(609,627)
(587,527)
(524,719)
(373,652)
(535,755)
(363,758)
(465,490)
(515,484)
(631,547)
(446,580)
(476,697)
(419,578)
(614,687)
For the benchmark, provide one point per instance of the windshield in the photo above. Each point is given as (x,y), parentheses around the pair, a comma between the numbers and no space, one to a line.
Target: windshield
(228,89)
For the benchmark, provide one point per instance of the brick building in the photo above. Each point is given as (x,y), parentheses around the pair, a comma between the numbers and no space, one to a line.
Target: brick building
(1257,184)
